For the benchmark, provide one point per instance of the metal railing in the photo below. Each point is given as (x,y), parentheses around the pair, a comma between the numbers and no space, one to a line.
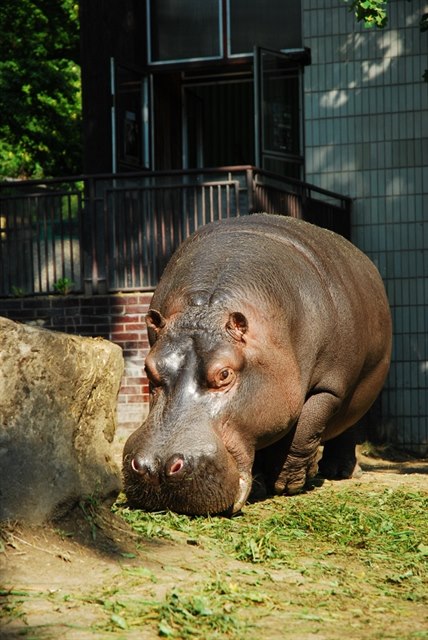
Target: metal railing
(116,232)
(40,236)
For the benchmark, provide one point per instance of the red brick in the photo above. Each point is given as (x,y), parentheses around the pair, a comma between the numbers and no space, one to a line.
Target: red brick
(115,300)
(10,305)
(133,318)
(130,391)
(36,303)
(137,326)
(128,338)
(137,380)
(139,309)
(118,328)
(135,399)
(117,311)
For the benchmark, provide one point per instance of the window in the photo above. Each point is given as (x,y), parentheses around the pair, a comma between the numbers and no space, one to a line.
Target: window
(184,30)
(189,30)
(131,112)
(273,24)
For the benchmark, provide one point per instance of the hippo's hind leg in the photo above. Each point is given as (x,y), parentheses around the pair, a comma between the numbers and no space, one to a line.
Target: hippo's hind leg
(300,464)
(339,460)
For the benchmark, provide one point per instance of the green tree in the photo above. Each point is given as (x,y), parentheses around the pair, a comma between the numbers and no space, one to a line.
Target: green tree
(40,102)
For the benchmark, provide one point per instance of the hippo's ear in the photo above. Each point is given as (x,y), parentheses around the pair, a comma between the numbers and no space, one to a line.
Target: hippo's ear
(155,320)
(237,325)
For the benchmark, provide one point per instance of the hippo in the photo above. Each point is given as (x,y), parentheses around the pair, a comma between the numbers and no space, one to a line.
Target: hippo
(269,337)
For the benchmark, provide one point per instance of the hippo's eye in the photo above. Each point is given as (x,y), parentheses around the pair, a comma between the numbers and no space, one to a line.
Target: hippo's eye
(222,378)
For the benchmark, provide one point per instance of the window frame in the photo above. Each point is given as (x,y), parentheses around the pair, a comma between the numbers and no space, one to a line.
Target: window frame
(225,41)
(157,63)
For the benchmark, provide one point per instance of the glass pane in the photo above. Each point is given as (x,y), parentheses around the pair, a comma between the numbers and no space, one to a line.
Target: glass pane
(273,24)
(184,29)
(280,107)
(132,119)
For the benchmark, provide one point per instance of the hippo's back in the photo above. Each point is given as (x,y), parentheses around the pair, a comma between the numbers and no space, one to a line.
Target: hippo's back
(268,256)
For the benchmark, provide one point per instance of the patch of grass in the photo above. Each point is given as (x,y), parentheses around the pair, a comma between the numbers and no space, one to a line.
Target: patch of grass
(384,532)
(210,610)
(386,521)
(11,602)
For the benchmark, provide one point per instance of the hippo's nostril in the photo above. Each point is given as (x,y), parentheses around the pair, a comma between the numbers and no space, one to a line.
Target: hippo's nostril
(147,469)
(175,467)
(139,465)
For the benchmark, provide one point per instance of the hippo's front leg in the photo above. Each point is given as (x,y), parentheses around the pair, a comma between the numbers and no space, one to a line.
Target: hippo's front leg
(301,462)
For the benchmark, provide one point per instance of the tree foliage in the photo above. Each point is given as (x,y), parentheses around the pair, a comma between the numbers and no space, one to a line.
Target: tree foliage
(40,104)
(372,12)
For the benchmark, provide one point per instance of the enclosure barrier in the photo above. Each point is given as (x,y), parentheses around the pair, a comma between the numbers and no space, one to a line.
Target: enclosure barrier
(108,233)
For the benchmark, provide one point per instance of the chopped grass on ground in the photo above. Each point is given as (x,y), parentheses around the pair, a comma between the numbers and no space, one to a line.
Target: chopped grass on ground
(376,525)
(361,550)
(334,563)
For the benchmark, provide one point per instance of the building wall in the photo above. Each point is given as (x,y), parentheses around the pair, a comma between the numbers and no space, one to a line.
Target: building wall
(366,112)
(119,318)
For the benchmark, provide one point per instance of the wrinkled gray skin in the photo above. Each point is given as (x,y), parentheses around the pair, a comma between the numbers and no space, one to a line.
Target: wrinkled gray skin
(269,336)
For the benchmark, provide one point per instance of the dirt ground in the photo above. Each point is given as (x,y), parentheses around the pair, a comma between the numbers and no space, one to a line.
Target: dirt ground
(83,554)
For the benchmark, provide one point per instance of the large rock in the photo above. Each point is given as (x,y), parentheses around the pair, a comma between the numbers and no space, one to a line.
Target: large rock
(57,420)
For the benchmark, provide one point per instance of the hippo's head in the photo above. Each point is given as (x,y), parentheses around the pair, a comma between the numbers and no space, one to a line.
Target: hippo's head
(207,416)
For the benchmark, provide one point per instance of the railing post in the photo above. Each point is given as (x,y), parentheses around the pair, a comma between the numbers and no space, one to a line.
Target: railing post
(250,189)
(89,248)
(303,201)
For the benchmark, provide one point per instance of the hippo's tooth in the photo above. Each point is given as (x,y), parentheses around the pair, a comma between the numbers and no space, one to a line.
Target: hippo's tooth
(245,482)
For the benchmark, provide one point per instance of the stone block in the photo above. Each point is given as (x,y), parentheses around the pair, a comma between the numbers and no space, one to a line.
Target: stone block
(58,395)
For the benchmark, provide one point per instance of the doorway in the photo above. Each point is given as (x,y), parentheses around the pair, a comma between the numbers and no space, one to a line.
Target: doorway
(218,123)
(248,118)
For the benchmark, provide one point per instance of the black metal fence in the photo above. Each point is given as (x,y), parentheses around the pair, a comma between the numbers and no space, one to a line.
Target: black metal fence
(40,236)
(97,234)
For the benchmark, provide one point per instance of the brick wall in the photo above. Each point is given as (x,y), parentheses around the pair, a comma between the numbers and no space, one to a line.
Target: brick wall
(118,317)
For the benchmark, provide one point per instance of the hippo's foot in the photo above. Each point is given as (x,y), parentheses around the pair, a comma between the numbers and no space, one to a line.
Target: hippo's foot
(340,469)
(339,461)
(296,474)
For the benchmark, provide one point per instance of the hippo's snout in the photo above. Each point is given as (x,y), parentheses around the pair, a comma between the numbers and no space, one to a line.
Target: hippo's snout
(176,469)
(206,481)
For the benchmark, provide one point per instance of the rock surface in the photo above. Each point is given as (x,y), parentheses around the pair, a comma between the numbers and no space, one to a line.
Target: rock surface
(58,397)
